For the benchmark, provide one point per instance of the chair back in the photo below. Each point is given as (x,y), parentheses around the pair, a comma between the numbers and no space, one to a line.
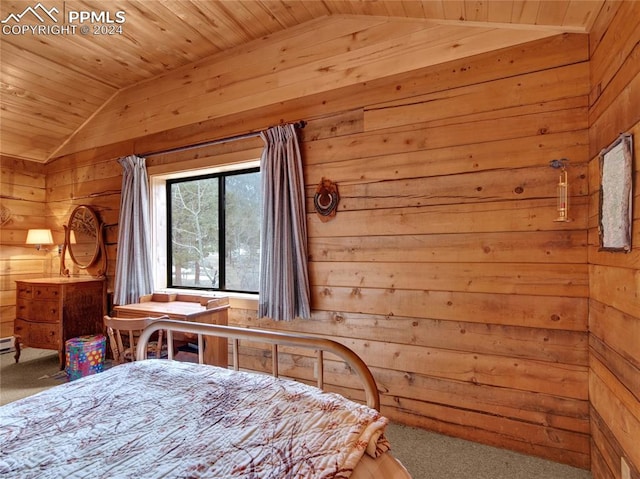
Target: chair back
(123,336)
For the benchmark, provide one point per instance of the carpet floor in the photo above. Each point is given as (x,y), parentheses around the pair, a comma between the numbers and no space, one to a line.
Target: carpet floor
(37,370)
(426,455)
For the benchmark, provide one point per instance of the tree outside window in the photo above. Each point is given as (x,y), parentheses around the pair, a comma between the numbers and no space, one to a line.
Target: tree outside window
(215,231)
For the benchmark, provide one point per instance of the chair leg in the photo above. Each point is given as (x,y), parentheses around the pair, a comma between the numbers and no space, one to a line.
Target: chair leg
(114,346)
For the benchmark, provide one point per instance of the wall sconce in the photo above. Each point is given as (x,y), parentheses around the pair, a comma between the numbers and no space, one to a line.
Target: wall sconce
(39,237)
(562,189)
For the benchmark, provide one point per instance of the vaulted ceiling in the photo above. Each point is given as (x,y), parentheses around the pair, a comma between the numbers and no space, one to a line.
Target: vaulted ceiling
(63,62)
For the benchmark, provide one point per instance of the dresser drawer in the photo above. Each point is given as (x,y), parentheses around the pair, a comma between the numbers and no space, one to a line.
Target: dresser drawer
(44,311)
(37,291)
(23,308)
(41,335)
(39,311)
(24,291)
(45,292)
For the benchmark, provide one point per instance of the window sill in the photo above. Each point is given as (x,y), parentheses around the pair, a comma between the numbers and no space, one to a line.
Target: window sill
(236,300)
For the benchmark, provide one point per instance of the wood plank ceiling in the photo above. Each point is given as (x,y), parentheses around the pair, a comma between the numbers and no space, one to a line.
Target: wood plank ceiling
(57,72)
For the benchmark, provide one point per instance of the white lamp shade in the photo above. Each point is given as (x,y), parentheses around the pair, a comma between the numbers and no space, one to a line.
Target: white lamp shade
(39,236)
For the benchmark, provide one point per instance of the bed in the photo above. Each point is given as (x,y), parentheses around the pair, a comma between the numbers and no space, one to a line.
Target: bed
(159,418)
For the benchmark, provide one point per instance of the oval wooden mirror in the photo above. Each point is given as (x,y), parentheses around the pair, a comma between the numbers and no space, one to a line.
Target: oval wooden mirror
(83,239)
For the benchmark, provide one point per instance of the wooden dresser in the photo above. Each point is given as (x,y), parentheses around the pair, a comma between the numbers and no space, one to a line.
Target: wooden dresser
(51,310)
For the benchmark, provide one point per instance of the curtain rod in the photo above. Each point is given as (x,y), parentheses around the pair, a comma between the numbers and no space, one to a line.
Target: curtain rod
(299,124)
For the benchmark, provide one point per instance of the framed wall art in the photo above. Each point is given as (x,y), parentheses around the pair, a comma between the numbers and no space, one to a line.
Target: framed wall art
(616,195)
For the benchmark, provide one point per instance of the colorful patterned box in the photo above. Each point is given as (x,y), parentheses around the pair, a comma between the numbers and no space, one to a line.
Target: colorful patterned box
(84,356)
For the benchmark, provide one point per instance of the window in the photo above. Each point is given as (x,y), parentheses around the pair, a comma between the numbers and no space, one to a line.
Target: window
(213,233)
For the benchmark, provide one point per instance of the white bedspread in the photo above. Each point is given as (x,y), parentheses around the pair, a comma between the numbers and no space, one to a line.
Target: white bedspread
(160,418)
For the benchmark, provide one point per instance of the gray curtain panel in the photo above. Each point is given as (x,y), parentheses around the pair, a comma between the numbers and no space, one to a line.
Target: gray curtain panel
(134,276)
(284,277)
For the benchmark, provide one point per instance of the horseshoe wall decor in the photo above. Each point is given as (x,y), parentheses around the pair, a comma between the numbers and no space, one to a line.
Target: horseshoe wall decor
(326,200)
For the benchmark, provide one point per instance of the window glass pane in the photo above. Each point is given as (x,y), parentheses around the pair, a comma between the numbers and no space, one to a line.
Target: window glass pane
(242,231)
(194,233)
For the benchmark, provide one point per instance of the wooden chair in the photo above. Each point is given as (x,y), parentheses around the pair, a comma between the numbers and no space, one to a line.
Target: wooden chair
(123,336)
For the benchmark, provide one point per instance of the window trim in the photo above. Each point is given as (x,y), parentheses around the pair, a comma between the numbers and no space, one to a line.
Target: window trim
(158,177)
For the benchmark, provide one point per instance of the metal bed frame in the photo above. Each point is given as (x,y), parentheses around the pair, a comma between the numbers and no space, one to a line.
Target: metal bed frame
(320,345)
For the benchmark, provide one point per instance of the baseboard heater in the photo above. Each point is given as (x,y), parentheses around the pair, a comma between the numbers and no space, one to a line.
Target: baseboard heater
(6,345)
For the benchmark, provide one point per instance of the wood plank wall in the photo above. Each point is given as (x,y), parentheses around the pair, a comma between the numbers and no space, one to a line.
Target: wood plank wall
(22,204)
(614,278)
(444,268)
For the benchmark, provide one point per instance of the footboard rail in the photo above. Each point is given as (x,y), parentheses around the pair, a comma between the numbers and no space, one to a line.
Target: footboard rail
(319,345)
